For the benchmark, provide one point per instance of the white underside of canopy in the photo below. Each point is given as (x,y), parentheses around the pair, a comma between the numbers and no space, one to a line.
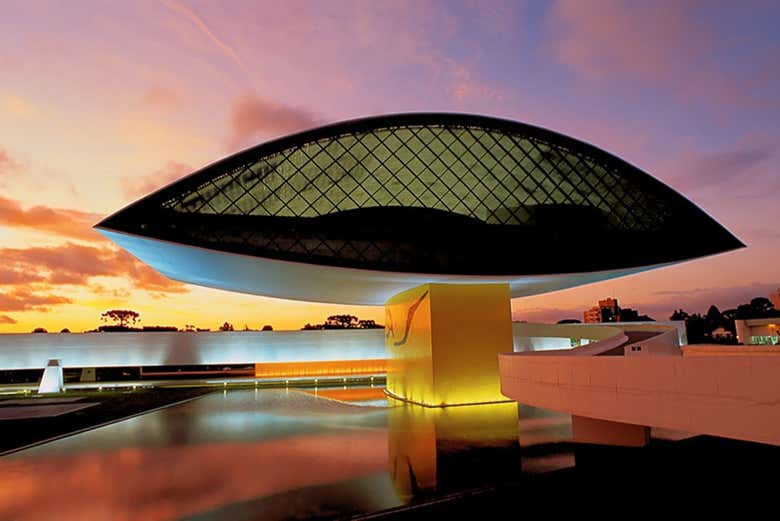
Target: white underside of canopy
(320,283)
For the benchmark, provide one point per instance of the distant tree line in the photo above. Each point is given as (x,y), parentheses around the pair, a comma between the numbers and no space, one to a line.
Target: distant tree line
(714,326)
(227,326)
(123,318)
(705,328)
(344,322)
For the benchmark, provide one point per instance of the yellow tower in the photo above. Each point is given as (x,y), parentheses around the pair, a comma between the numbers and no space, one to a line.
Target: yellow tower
(443,342)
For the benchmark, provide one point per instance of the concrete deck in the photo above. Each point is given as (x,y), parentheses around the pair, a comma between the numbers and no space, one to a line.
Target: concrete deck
(729,395)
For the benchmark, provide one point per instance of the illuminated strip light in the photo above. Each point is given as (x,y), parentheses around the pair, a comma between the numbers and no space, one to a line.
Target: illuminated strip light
(441,405)
(324,368)
(351,395)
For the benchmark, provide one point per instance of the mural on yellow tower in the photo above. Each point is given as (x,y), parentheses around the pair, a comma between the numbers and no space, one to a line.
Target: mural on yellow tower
(398,338)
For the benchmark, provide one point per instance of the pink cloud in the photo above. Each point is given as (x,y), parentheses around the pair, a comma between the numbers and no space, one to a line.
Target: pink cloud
(606,38)
(5,319)
(22,299)
(143,185)
(10,276)
(698,300)
(68,223)
(671,47)
(76,264)
(740,167)
(253,117)
(69,263)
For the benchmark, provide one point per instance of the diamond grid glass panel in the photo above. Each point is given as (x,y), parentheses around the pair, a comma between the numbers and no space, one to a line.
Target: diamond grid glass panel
(484,174)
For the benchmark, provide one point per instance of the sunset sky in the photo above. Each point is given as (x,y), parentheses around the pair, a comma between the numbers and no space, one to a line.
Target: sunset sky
(102,102)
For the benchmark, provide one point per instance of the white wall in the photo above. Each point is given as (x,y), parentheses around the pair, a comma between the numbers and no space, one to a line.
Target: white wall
(32,351)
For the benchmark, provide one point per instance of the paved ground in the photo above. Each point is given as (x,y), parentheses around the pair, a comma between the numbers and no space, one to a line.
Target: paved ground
(23,412)
(34,419)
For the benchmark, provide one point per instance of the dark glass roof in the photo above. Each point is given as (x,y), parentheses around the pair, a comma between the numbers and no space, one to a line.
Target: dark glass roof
(438,193)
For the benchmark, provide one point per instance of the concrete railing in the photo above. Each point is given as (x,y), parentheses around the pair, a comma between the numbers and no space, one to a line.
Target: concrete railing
(731,396)
(650,343)
(529,338)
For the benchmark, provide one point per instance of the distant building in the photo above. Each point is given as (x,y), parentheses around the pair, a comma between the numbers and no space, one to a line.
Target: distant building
(592,315)
(608,310)
(775,298)
(758,331)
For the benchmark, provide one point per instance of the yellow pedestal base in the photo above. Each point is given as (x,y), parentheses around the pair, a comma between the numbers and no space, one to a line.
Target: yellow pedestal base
(443,342)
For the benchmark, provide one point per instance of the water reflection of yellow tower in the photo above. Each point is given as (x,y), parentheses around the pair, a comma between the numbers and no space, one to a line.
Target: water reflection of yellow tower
(440,449)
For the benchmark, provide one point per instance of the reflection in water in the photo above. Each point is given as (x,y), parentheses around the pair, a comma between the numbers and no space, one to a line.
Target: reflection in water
(222,449)
(441,450)
(270,454)
(545,437)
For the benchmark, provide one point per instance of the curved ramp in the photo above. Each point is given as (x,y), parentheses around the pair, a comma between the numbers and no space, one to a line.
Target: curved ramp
(728,395)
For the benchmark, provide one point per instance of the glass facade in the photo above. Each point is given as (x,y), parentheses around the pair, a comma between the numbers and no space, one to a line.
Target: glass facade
(489,175)
(437,193)
(765,340)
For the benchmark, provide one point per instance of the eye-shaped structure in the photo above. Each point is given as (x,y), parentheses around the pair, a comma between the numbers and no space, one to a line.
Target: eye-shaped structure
(355,212)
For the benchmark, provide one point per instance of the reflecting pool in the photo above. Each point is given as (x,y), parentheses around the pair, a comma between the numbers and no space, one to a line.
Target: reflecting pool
(278,454)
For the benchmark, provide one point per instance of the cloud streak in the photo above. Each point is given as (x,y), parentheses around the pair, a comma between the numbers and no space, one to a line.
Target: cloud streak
(10,276)
(204,29)
(28,275)
(22,299)
(607,38)
(698,300)
(76,264)
(74,224)
(716,169)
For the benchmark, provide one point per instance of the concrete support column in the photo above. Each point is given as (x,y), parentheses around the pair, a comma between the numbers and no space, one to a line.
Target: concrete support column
(603,432)
(443,342)
(743,331)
